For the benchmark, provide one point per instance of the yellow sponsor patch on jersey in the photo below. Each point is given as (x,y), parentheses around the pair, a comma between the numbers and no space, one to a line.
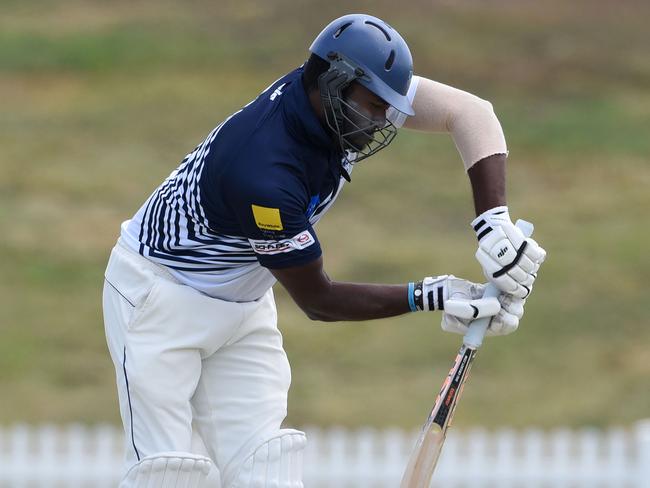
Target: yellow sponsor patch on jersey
(267,218)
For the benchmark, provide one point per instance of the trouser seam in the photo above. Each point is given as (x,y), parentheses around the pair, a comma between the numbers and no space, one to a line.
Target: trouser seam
(128,395)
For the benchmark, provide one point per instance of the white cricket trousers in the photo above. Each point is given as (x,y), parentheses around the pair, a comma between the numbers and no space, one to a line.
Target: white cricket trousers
(181,356)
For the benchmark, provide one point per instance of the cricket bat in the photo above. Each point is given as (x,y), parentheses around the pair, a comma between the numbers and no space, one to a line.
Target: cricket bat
(426,452)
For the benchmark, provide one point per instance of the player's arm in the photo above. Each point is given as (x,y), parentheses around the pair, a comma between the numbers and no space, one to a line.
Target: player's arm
(488,179)
(469,120)
(461,301)
(476,131)
(509,259)
(323,299)
(273,218)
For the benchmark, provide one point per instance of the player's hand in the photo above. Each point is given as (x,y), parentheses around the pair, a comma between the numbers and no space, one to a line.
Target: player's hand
(507,320)
(509,259)
(463,302)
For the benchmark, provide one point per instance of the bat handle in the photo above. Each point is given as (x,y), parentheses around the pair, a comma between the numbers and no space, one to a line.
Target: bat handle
(474,336)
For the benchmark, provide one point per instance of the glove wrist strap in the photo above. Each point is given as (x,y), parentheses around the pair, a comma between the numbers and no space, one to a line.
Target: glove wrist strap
(482,223)
(427,295)
(410,294)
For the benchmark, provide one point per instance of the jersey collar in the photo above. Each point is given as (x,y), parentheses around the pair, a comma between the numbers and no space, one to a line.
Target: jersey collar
(301,118)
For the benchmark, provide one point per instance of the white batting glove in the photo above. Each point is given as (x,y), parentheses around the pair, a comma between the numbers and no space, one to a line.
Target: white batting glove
(462,301)
(509,259)
(507,320)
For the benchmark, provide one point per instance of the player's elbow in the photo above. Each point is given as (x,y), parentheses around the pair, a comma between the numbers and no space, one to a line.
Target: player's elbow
(317,314)
(474,108)
(317,301)
(485,105)
(319,306)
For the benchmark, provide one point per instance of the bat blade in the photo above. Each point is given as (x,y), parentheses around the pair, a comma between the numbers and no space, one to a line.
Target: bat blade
(424,459)
(426,452)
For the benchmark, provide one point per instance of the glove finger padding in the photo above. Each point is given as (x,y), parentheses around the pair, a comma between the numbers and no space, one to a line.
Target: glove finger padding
(465,302)
(505,282)
(527,263)
(507,320)
(453,324)
(534,251)
(503,323)
(512,304)
(473,309)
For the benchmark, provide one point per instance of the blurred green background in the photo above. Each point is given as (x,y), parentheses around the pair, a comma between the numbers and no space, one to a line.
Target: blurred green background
(100,100)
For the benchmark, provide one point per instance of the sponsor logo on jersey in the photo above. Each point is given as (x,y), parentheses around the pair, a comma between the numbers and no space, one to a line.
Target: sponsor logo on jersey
(267,218)
(313,203)
(297,242)
(277,92)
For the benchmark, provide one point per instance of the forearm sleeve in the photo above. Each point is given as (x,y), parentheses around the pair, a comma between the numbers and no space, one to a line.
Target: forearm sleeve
(470,120)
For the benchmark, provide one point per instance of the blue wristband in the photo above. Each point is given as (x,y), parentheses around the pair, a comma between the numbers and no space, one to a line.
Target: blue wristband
(411,288)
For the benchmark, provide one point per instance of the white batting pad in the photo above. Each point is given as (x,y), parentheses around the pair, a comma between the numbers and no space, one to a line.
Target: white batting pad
(276,463)
(168,470)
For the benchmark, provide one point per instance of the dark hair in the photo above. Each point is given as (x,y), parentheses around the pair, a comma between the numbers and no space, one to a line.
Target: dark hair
(314,67)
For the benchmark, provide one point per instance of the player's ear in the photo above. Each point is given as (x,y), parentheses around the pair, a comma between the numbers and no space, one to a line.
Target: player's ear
(350,91)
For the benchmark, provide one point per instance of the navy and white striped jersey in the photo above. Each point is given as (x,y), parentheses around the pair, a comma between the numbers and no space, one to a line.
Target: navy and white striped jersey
(245,199)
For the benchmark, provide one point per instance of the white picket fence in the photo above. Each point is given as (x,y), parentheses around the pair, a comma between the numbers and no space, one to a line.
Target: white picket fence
(76,456)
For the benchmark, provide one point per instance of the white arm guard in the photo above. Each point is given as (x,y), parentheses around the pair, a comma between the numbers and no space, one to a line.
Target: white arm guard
(471,121)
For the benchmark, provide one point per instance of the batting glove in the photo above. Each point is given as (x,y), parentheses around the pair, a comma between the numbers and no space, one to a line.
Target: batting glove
(462,301)
(509,259)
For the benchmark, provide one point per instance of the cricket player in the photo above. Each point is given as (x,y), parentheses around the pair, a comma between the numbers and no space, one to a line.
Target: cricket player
(188,302)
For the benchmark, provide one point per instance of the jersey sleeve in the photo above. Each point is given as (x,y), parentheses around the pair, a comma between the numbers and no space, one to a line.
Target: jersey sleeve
(396,117)
(273,219)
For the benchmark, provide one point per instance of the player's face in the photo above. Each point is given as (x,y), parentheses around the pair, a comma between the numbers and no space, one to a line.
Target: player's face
(367,114)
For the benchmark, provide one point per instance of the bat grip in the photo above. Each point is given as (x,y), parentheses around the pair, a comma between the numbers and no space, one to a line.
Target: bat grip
(477,329)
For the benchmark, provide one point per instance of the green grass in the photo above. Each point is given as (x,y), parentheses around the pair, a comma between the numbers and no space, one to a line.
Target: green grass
(100,101)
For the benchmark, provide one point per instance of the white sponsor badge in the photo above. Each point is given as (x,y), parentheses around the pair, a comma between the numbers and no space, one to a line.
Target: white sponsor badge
(299,241)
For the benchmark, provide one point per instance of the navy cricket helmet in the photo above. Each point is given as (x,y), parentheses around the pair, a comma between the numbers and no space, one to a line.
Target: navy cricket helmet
(363,49)
(375,47)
